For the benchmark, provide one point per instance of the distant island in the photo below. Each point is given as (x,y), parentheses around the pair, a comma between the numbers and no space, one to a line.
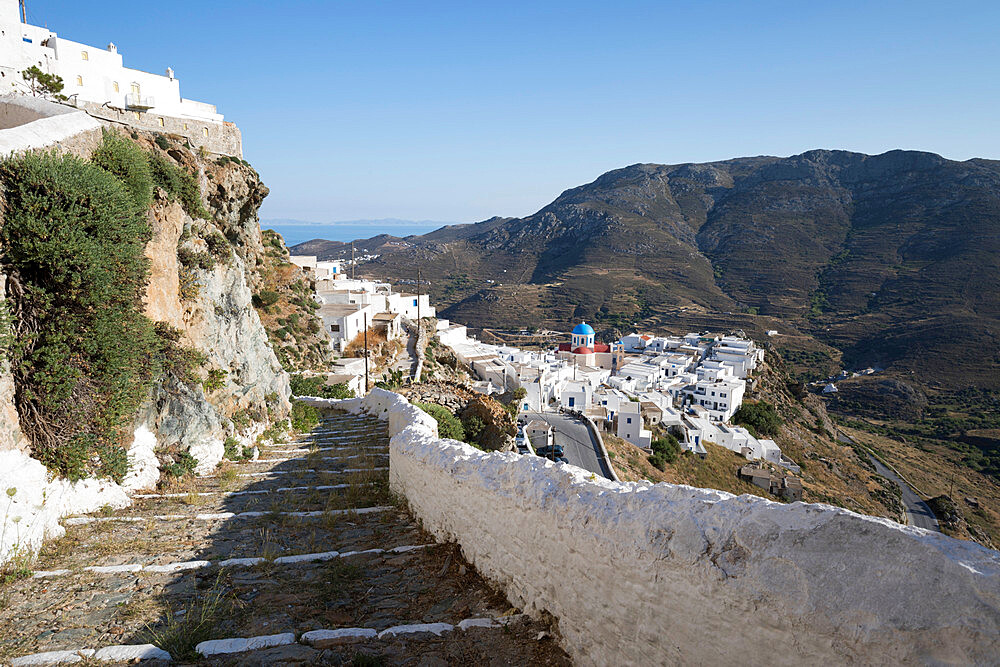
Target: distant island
(300,231)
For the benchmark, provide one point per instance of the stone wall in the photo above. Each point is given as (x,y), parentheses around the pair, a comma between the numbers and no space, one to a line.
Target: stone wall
(638,573)
(219,138)
(30,123)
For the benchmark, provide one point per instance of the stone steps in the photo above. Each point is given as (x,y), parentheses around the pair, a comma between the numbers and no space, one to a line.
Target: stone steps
(307,546)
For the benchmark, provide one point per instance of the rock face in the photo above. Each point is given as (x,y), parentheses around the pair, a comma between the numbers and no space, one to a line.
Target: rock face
(669,574)
(214,317)
(499,427)
(11,437)
(218,320)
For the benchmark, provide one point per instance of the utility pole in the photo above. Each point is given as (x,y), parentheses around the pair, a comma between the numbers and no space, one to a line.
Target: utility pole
(24,12)
(418,303)
(366,353)
(353,263)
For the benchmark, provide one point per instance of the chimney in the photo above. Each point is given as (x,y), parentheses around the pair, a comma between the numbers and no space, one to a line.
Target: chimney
(170,73)
(112,48)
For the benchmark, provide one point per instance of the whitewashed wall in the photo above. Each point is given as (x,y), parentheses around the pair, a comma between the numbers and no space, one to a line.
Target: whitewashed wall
(638,573)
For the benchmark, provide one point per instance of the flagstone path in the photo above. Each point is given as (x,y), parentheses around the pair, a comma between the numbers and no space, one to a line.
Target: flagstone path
(300,557)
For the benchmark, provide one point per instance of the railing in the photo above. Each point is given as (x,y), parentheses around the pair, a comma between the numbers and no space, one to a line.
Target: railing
(136,101)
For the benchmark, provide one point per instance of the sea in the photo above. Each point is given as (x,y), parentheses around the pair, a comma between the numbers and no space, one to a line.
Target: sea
(295,234)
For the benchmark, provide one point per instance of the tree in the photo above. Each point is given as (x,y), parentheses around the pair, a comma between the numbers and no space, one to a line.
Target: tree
(43,84)
(759,418)
(665,450)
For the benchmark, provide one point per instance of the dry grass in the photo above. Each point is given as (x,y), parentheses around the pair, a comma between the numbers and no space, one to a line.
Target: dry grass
(718,470)
(939,471)
(179,630)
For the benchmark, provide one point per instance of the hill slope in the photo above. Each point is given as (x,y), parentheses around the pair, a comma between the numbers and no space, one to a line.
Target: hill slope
(891,259)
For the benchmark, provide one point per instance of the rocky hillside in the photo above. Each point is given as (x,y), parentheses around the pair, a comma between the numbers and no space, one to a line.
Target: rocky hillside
(891,261)
(130,344)
(891,258)
(285,304)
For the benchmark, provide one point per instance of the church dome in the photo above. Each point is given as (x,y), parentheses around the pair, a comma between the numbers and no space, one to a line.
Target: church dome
(583,329)
(583,350)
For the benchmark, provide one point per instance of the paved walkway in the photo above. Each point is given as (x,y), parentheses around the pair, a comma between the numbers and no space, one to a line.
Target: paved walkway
(305,550)
(579,444)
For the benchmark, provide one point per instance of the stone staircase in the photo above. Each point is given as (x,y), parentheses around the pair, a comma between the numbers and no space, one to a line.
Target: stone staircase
(303,556)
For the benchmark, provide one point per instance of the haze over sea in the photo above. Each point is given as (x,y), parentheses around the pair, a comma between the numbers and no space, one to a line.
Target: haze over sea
(297,231)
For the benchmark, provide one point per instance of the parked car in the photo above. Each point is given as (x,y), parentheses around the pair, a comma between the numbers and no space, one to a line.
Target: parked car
(550,451)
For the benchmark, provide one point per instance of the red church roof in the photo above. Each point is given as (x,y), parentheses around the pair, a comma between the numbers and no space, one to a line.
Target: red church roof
(583,350)
(602,347)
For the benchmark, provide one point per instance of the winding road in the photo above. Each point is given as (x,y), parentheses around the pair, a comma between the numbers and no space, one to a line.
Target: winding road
(580,447)
(918,513)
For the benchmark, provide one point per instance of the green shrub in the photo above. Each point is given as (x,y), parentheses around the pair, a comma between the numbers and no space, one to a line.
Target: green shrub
(216,380)
(304,416)
(162,142)
(316,386)
(265,298)
(185,464)
(179,184)
(449,425)
(665,450)
(84,355)
(218,246)
(195,259)
(759,418)
(127,162)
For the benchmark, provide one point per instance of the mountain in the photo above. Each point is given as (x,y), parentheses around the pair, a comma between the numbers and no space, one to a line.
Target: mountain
(890,260)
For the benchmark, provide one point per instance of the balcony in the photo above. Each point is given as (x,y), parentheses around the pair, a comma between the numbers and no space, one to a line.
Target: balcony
(137,102)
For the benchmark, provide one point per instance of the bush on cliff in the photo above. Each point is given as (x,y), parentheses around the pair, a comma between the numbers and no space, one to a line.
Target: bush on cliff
(179,184)
(449,425)
(665,450)
(759,418)
(84,355)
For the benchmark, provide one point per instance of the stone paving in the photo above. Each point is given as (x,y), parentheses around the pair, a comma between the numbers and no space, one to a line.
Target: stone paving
(306,539)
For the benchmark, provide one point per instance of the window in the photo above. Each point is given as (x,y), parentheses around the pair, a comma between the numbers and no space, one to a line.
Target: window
(572,401)
(204,131)
(628,420)
(185,126)
(79,80)
(134,88)
(115,86)
(414,302)
(335,327)
(138,116)
(84,55)
(159,121)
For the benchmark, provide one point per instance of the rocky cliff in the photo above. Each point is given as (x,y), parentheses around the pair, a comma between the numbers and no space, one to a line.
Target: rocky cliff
(220,378)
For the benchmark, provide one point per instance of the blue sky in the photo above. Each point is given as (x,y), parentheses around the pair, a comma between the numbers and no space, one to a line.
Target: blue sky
(464,110)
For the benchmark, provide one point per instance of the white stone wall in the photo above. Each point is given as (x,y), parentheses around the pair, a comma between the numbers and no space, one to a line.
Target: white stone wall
(45,124)
(638,573)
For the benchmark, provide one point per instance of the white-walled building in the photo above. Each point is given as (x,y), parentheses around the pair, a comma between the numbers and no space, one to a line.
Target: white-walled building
(630,425)
(90,74)
(345,321)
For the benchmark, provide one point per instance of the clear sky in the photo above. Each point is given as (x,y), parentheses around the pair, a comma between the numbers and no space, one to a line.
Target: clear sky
(464,110)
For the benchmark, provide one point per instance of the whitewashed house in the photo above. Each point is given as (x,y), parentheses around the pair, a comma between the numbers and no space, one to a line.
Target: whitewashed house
(630,427)
(345,321)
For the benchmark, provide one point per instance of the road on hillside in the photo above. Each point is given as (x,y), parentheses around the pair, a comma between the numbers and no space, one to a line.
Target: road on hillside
(918,513)
(581,449)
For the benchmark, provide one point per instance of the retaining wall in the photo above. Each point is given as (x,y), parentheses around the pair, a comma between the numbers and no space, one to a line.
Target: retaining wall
(638,573)
(29,123)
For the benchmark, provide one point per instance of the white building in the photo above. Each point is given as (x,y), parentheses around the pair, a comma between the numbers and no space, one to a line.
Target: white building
(345,321)
(630,426)
(539,433)
(90,74)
